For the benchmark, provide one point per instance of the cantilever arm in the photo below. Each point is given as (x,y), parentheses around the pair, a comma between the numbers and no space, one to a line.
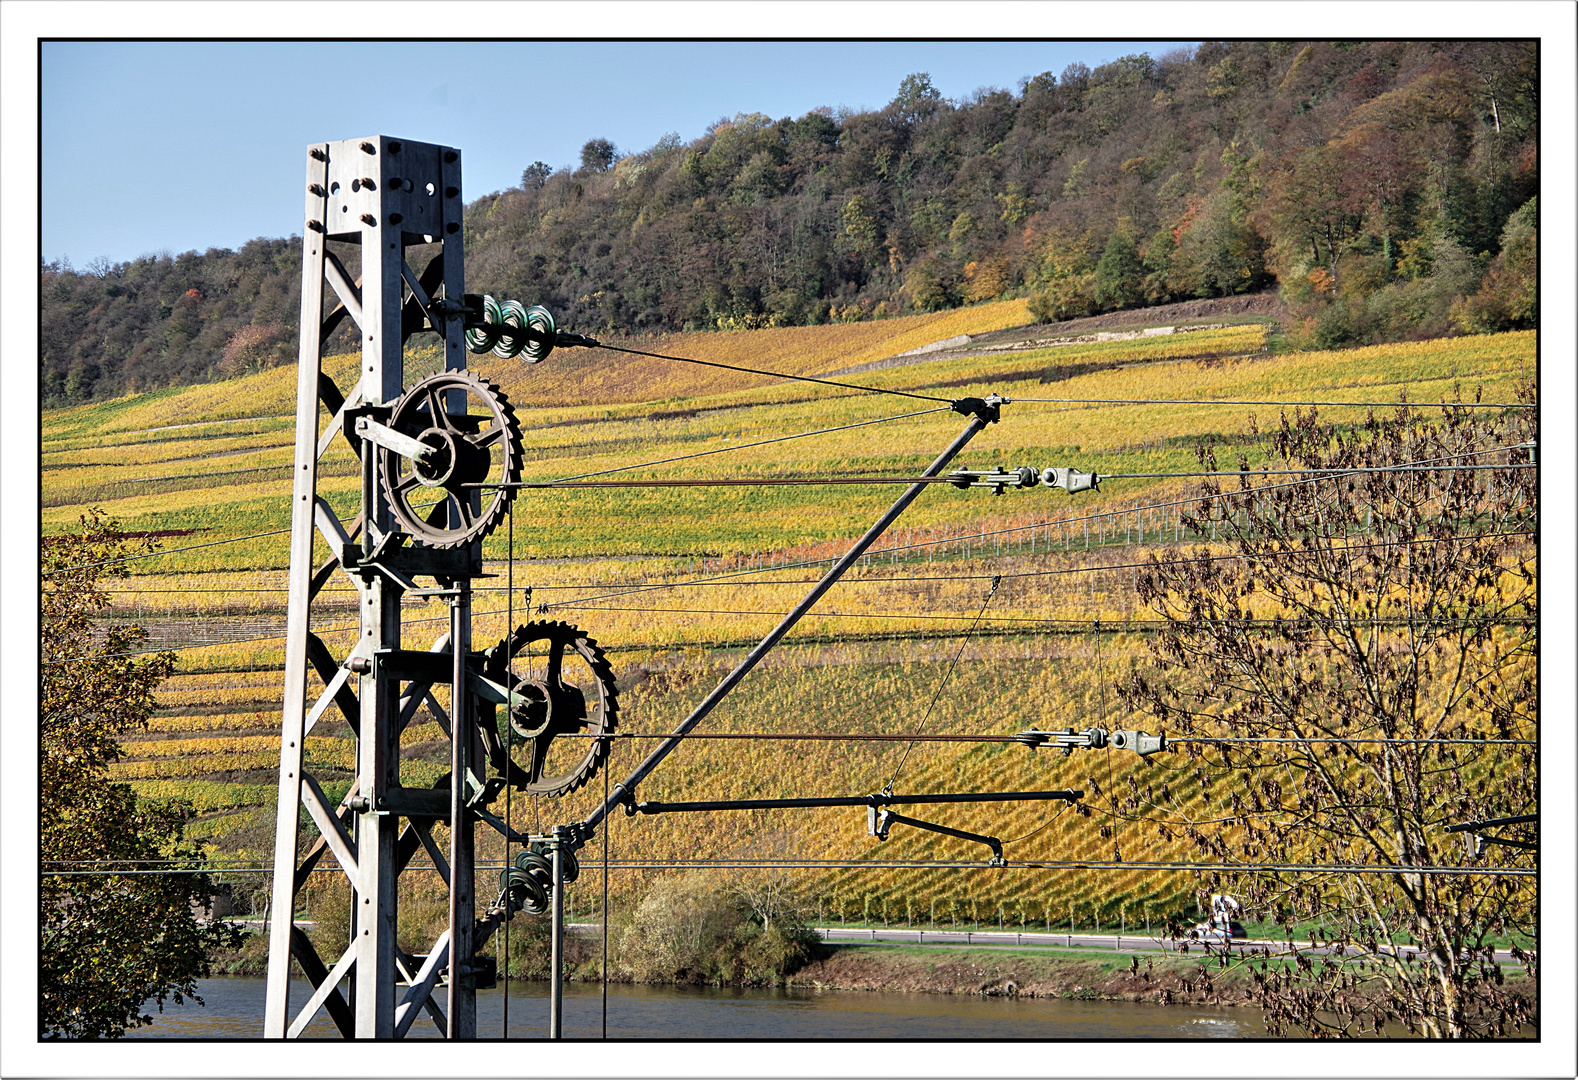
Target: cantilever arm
(624,791)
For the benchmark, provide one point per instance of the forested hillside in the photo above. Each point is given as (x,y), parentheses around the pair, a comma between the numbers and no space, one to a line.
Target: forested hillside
(1387,188)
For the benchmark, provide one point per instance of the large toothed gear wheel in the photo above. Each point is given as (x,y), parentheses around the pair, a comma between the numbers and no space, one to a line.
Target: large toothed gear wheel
(568,687)
(468,447)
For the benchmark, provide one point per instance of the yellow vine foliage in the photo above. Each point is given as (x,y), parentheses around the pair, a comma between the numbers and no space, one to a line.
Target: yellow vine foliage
(870,656)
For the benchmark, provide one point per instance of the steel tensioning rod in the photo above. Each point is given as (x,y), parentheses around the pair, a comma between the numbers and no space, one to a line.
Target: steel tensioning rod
(878,799)
(624,790)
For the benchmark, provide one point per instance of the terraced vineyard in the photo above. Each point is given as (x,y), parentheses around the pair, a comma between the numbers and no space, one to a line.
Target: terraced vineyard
(207,465)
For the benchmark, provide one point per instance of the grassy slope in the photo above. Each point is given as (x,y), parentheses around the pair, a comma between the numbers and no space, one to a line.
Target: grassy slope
(581,412)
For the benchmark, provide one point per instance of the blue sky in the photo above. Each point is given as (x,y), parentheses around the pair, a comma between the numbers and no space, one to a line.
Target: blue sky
(152,146)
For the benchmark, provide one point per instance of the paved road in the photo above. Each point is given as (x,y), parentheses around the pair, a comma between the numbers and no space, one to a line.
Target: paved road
(1002,939)
(1007,939)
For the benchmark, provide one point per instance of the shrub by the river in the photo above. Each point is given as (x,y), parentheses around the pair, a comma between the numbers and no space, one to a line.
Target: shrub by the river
(686,930)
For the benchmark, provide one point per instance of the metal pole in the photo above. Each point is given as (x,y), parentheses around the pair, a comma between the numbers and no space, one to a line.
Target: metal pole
(556,966)
(282,894)
(462,1011)
(625,787)
(361,833)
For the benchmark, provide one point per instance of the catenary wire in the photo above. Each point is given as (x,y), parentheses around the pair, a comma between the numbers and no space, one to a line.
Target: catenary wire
(876,551)
(1111,625)
(779,374)
(166,551)
(760,442)
(921,737)
(915,864)
(1072,624)
(823,481)
(723,579)
(974,536)
(1281,404)
(1098,624)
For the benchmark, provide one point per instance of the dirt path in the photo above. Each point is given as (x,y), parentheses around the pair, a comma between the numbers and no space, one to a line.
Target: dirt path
(1258,305)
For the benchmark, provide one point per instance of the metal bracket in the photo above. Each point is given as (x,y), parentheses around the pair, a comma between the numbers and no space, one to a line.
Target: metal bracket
(390,439)
(988,409)
(998,479)
(879,819)
(1138,741)
(1070,480)
(1003,477)
(1069,740)
(1481,839)
(390,557)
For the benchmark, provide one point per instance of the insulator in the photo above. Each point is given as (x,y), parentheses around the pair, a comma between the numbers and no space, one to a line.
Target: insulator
(482,338)
(523,891)
(513,314)
(491,329)
(540,319)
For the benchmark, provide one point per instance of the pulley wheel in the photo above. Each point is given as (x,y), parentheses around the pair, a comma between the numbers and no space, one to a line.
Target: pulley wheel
(541,744)
(473,438)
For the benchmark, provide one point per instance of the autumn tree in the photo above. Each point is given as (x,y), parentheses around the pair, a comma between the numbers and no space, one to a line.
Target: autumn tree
(535,175)
(1508,297)
(1334,168)
(1120,276)
(108,942)
(597,155)
(1332,671)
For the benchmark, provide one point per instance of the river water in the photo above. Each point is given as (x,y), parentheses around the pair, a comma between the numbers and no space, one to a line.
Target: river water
(234,1010)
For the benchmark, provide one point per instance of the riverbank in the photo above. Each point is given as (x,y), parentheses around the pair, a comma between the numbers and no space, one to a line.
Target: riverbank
(995,972)
(949,969)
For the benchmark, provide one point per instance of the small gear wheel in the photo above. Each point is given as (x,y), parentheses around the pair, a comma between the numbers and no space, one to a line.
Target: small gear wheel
(568,687)
(467,448)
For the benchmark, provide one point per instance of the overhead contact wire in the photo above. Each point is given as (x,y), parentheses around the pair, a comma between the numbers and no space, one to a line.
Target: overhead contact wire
(1021,528)
(1283,404)
(723,579)
(821,481)
(875,551)
(924,864)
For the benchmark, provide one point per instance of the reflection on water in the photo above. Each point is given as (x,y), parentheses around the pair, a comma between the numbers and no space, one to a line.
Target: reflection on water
(234,1010)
